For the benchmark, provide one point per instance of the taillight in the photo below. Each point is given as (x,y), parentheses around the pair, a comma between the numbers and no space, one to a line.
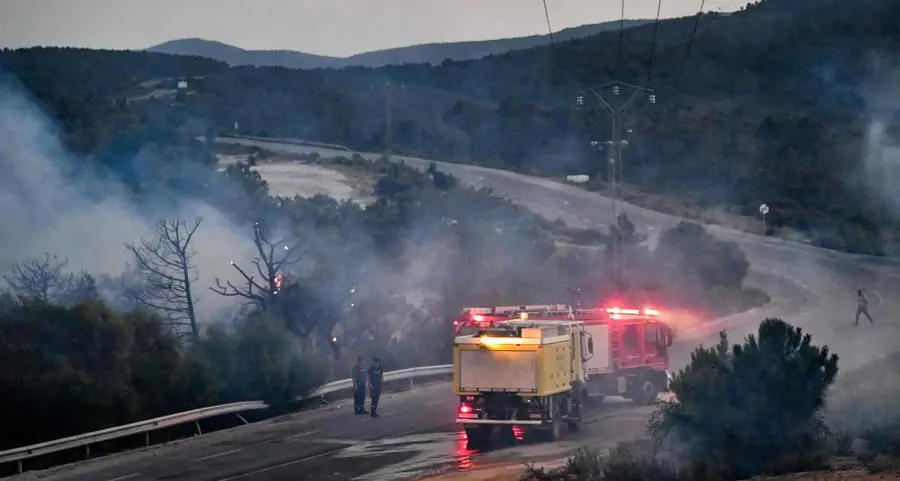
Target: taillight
(465,409)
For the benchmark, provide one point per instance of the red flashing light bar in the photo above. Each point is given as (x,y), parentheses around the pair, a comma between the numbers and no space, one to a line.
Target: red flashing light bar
(632,312)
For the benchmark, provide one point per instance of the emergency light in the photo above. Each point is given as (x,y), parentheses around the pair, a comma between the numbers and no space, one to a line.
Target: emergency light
(618,312)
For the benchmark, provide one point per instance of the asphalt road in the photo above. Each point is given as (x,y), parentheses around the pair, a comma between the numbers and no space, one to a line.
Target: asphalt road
(415,434)
(811,287)
(300,446)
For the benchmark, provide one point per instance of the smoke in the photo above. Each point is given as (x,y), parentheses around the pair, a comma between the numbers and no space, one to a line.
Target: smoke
(45,208)
(880,160)
(867,384)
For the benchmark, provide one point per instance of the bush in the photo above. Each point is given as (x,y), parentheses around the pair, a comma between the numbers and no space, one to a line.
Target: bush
(629,461)
(107,367)
(113,368)
(260,360)
(738,411)
(714,262)
(753,409)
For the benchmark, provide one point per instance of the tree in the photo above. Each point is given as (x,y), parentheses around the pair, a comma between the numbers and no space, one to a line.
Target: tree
(46,279)
(263,291)
(260,360)
(166,265)
(752,409)
(693,250)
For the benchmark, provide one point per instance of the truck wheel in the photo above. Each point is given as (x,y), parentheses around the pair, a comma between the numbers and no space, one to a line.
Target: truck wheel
(506,435)
(478,437)
(576,410)
(648,394)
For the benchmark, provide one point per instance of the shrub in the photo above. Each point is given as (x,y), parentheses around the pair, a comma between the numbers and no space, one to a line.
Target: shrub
(108,367)
(260,360)
(713,261)
(753,409)
(637,461)
(629,461)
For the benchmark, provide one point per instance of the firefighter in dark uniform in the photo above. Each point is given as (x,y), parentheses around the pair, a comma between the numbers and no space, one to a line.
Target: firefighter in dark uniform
(358,375)
(862,308)
(376,375)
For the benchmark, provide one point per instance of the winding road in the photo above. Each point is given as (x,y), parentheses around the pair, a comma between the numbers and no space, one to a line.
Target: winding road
(811,287)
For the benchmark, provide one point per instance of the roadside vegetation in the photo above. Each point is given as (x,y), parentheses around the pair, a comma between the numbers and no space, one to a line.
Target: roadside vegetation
(764,408)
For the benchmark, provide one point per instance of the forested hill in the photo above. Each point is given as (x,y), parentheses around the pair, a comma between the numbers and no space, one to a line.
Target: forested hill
(775,104)
(431,53)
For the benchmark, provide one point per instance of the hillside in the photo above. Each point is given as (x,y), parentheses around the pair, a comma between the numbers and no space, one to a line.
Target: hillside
(762,106)
(432,53)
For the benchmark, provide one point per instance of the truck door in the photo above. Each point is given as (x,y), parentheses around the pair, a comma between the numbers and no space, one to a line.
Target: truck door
(630,353)
(598,340)
(654,343)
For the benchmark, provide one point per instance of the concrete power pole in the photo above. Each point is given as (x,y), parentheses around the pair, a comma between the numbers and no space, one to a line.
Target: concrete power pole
(616,99)
(388,131)
(388,118)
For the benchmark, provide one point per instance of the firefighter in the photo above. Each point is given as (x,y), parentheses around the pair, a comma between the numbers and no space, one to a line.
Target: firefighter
(376,374)
(862,307)
(358,375)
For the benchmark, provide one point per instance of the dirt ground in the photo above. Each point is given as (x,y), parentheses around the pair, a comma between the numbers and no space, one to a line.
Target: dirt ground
(499,473)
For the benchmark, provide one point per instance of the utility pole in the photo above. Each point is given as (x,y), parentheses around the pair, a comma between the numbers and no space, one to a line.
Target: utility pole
(388,131)
(616,99)
(388,119)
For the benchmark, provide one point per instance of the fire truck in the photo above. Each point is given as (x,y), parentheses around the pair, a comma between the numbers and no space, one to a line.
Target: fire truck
(629,346)
(525,373)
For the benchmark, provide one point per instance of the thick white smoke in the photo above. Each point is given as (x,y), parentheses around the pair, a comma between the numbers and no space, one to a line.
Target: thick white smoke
(42,211)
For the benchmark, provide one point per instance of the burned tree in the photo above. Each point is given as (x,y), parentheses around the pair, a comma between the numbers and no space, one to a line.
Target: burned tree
(46,279)
(168,273)
(263,288)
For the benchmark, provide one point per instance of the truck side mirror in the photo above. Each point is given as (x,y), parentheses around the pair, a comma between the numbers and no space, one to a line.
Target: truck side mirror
(591,346)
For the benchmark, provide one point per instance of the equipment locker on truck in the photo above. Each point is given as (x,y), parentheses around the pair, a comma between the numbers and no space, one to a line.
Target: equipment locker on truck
(529,374)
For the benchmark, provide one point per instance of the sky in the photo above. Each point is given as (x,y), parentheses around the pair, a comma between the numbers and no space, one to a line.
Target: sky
(325,27)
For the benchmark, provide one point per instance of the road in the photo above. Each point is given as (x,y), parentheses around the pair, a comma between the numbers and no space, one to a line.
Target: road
(813,288)
(416,433)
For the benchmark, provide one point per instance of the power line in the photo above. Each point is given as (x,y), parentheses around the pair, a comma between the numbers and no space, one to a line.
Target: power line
(621,29)
(653,44)
(549,28)
(687,52)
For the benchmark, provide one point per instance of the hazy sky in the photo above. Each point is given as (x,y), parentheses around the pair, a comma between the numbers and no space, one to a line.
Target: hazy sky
(328,27)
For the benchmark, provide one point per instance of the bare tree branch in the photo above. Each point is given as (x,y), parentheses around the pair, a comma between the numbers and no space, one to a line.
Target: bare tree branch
(166,265)
(263,289)
(46,279)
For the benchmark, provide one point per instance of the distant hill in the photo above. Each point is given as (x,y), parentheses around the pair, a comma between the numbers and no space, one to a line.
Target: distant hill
(431,53)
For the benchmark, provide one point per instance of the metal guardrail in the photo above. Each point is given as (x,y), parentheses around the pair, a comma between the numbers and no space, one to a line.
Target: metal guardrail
(145,427)
(400,375)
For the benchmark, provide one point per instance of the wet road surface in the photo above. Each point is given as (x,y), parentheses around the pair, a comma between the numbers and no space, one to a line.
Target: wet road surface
(415,435)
